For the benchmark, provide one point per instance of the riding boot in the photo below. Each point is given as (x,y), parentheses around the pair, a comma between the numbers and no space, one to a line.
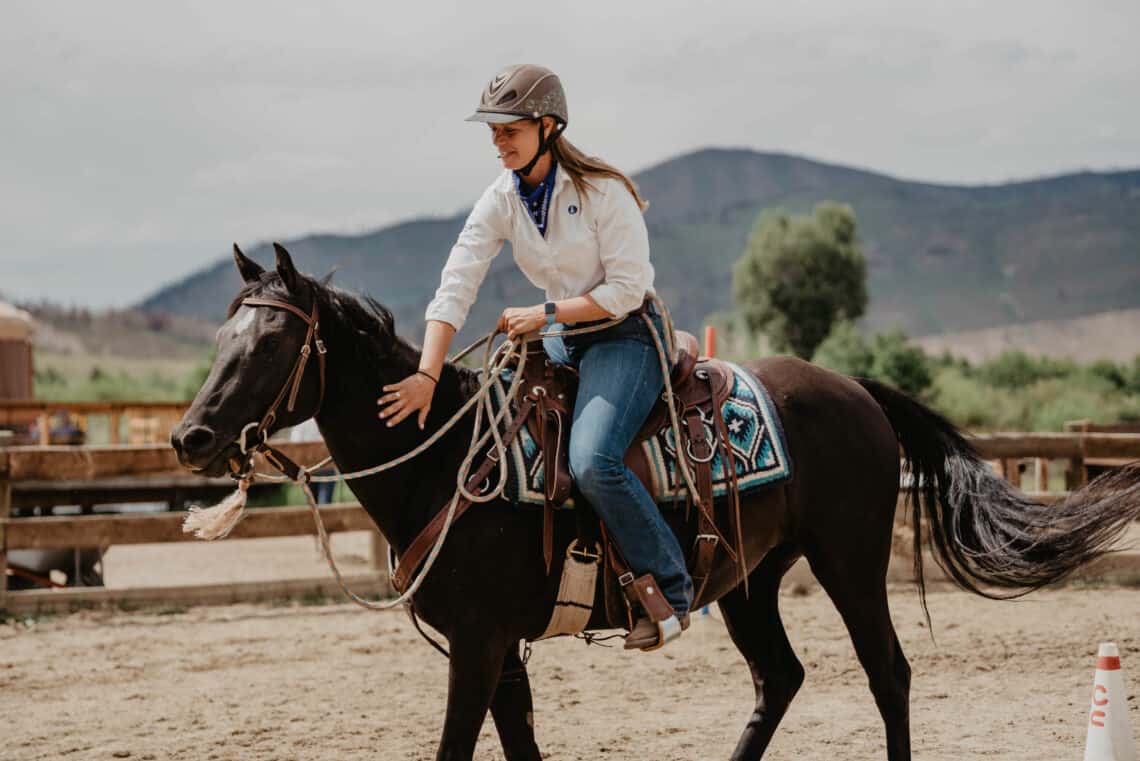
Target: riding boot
(648,634)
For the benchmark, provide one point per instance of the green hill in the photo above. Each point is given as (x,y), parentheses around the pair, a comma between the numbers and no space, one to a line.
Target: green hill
(941,258)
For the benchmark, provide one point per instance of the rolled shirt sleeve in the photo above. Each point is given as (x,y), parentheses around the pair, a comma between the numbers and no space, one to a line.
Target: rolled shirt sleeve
(623,245)
(479,242)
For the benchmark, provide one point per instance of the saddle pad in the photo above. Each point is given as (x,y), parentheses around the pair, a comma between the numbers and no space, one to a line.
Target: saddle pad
(755,435)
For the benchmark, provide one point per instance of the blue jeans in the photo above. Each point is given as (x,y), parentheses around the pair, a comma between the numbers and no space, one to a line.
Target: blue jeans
(619,381)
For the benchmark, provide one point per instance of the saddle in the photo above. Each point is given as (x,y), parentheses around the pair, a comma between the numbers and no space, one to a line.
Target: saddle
(545,406)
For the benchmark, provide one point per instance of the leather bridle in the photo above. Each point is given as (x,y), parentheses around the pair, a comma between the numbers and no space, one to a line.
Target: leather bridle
(291,387)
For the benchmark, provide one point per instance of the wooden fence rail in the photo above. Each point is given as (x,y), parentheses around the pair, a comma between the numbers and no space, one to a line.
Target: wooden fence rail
(16,412)
(46,463)
(115,462)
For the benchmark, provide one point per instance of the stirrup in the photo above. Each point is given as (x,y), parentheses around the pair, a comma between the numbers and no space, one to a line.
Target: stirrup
(668,629)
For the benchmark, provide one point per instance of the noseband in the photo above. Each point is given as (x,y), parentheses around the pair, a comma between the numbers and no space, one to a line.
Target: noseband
(291,386)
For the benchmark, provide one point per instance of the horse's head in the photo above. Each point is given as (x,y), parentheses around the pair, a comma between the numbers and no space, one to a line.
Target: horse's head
(268,371)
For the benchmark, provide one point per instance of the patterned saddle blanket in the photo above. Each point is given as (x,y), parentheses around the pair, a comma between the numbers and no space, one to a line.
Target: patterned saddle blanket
(759,448)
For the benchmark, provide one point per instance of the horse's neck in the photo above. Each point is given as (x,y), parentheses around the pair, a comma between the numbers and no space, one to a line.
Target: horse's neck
(400,500)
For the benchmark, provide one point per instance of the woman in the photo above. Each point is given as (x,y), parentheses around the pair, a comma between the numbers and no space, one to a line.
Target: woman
(576,228)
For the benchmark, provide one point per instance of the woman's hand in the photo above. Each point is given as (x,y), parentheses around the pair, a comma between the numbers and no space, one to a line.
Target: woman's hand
(515,321)
(403,398)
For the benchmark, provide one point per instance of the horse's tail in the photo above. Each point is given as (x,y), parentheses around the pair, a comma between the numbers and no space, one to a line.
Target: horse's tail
(985,532)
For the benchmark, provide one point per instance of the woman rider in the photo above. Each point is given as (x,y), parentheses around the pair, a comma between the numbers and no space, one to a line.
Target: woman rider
(576,229)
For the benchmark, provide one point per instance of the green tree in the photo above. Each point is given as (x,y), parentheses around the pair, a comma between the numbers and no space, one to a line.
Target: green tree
(799,275)
(846,351)
(889,357)
(901,363)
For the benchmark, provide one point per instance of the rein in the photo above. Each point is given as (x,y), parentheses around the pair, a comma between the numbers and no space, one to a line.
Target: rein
(216,522)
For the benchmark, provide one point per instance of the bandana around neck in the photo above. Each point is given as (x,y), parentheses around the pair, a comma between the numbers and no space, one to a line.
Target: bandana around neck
(537,201)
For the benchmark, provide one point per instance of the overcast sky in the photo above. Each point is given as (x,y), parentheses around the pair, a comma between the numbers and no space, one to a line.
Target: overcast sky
(138,139)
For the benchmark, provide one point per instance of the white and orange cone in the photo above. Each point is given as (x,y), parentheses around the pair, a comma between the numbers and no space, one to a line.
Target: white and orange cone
(1109,732)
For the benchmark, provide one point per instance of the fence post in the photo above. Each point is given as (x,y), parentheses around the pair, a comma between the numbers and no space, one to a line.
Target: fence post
(5,511)
(710,341)
(1041,466)
(116,415)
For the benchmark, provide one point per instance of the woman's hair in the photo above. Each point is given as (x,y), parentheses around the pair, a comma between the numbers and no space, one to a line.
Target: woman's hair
(580,166)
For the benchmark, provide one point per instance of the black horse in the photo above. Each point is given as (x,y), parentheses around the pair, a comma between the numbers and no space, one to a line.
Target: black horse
(488,590)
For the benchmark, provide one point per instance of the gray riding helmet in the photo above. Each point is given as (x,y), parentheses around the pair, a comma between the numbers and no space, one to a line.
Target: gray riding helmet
(522,91)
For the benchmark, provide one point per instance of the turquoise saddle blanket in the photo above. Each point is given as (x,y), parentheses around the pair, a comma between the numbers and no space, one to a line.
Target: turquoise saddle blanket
(755,435)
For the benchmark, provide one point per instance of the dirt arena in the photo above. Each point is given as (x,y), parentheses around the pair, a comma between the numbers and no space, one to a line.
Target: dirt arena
(330,681)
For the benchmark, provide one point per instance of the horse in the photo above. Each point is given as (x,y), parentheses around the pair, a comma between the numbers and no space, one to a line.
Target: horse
(488,593)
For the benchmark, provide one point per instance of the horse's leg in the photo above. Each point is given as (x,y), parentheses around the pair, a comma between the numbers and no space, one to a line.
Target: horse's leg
(754,624)
(856,583)
(513,710)
(476,664)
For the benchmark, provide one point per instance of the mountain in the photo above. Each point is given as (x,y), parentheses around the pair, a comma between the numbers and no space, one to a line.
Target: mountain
(1114,336)
(941,258)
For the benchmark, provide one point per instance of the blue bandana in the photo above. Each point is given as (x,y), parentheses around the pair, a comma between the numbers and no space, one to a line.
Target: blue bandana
(537,201)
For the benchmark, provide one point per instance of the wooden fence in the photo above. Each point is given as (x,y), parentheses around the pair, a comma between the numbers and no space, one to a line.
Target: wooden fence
(144,422)
(92,464)
(1010,452)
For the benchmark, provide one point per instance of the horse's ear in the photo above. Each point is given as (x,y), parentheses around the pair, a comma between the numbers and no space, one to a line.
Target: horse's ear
(247,268)
(286,269)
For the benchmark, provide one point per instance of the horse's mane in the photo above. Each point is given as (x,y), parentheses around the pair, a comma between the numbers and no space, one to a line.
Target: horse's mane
(372,325)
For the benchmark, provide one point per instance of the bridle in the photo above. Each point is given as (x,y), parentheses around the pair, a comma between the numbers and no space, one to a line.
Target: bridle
(291,386)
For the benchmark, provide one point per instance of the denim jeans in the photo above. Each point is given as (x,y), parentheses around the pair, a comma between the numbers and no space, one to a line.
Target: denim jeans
(619,381)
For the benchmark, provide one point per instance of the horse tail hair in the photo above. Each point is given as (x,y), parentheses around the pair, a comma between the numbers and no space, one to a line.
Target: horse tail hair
(987,534)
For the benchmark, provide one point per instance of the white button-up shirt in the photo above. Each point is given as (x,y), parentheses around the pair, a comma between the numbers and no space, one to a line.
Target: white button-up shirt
(598,246)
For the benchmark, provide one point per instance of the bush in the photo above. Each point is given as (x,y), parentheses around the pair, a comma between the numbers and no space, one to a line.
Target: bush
(889,357)
(900,363)
(1016,369)
(845,351)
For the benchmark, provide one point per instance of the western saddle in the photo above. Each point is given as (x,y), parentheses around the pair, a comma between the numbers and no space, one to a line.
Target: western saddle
(544,404)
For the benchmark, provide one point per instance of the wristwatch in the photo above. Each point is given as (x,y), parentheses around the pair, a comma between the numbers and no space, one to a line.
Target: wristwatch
(550,312)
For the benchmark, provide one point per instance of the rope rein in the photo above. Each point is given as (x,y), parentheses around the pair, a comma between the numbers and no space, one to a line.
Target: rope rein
(494,363)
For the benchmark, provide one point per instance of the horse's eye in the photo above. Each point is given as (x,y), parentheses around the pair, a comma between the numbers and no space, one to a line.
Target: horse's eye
(268,345)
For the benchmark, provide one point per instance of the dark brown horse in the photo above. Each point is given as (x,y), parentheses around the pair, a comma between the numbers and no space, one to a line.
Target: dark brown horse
(488,591)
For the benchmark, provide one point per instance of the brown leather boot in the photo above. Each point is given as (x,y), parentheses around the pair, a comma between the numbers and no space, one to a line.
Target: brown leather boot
(650,635)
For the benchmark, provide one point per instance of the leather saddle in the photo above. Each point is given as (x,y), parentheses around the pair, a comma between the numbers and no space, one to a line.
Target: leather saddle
(545,405)
(700,387)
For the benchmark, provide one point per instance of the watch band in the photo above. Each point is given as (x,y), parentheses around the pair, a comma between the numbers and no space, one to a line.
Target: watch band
(551,312)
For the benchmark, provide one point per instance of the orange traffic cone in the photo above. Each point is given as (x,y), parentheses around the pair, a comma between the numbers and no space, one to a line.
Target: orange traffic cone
(1109,734)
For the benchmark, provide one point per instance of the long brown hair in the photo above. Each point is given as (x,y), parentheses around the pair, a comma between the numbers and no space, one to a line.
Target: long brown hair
(580,167)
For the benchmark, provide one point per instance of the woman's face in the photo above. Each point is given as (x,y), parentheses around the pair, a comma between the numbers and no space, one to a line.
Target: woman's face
(517,142)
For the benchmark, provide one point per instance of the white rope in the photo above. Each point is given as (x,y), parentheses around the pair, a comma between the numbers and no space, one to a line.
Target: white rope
(493,364)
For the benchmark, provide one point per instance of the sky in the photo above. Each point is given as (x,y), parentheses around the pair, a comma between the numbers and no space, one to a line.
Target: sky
(139,139)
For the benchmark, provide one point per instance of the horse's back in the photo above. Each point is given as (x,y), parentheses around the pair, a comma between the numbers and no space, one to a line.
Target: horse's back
(842,446)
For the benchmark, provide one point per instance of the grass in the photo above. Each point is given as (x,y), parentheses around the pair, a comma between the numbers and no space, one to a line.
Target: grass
(93,377)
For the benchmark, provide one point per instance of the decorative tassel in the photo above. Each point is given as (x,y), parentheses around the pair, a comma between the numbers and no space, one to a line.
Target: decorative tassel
(218,521)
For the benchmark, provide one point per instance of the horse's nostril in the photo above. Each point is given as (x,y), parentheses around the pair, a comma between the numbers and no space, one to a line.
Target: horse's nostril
(197,439)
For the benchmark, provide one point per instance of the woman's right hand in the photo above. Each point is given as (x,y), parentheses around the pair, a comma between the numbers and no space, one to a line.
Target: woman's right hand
(402,399)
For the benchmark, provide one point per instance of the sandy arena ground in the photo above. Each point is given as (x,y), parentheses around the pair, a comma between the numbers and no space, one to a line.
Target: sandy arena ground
(1004,681)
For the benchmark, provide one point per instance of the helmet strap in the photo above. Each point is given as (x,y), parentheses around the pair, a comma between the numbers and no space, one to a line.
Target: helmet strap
(544,142)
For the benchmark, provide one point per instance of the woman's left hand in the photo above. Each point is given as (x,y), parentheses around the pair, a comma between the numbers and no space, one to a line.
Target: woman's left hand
(516,321)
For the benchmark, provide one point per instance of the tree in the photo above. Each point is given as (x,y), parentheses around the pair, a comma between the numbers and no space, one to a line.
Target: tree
(845,351)
(800,275)
(901,363)
(889,357)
